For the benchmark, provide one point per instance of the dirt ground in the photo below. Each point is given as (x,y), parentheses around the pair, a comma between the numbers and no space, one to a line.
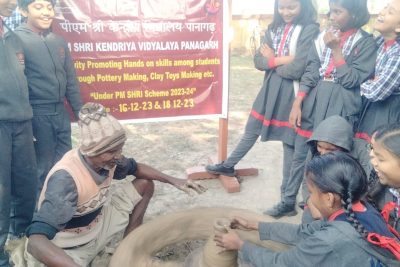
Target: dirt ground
(172,147)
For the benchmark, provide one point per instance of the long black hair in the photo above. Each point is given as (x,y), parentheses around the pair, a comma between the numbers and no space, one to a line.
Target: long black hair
(358,9)
(339,173)
(307,15)
(389,137)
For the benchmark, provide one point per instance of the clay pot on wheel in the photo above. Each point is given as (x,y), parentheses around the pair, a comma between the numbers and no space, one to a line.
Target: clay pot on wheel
(137,248)
(214,255)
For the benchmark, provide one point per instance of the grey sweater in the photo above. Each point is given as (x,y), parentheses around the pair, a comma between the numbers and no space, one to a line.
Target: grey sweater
(49,69)
(320,243)
(14,99)
(337,131)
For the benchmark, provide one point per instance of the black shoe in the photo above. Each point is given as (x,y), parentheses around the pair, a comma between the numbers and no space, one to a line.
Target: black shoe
(281,209)
(220,169)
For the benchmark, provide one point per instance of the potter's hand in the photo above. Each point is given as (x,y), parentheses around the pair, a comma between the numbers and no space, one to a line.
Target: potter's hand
(188,186)
(229,241)
(243,224)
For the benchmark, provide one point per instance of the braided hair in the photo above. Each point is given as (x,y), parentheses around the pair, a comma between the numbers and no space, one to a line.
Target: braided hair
(337,172)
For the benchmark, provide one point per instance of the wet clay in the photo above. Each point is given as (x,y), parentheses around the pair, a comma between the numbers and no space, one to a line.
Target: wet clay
(214,255)
(137,248)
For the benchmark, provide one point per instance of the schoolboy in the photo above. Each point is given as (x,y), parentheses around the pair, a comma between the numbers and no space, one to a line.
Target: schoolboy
(17,161)
(51,80)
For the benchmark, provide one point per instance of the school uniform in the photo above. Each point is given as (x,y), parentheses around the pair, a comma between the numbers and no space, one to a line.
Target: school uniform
(18,179)
(334,88)
(329,90)
(333,242)
(381,95)
(387,199)
(51,80)
(270,112)
(269,117)
(336,131)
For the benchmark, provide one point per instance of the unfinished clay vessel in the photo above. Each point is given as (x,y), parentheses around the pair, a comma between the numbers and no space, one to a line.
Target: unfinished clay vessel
(138,248)
(214,255)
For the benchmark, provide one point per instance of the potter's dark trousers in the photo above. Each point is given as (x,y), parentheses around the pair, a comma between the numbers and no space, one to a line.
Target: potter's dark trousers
(18,180)
(291,181)
(52,132)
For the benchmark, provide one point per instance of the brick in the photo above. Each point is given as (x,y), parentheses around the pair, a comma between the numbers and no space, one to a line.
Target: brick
(246,171)
(231,184)
(199,173)
(241,170)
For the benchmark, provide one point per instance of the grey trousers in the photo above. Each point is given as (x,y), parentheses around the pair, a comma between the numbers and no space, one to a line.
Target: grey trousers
(289,183)
(245,144)
(52,131)
(18,181)
(292,184)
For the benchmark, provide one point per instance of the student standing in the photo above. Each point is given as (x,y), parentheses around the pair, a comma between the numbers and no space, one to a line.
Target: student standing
(381,94)
(18,180)
(282,57)
(14,20)
(341,58)
(51,80)
(350,235)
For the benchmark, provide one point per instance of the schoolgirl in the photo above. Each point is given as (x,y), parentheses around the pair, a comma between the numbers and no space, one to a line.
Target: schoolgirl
(341,58)
(352,234)
(381,94)
(384,191)
(282,57)
(333,134)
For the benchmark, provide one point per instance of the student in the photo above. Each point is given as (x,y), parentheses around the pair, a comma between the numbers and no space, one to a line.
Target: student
(282,57)
(336,182)
(384,193)
(341,58)
(381,94)
(17,160)
(14,20)
(333,134)
(51,80)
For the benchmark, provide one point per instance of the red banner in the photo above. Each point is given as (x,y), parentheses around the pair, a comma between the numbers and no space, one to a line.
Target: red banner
(148,59)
